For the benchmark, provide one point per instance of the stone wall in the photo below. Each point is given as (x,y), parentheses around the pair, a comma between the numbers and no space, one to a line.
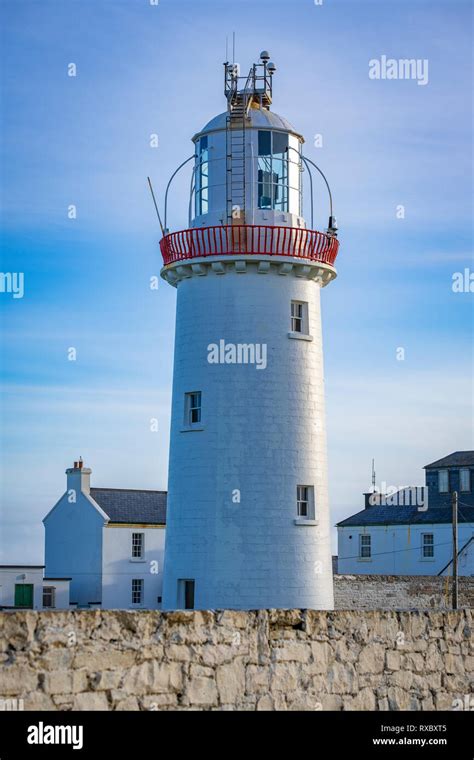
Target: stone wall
(369,592)
(266,660)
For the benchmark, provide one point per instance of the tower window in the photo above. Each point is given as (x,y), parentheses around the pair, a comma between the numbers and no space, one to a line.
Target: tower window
(305,502)
(137,590)
(202,177)
(299,317)
(464,480)
(138,545)
(427,545)
(443,481)
(365,546)
(192,408)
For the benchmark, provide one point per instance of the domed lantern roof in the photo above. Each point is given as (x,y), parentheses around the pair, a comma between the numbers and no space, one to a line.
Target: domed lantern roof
(258,118)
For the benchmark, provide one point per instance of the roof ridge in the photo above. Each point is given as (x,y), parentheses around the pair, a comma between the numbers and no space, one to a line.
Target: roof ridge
(136,490)
(446,460)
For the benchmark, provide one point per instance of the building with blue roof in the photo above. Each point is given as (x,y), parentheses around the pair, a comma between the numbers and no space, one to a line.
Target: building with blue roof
(409,532)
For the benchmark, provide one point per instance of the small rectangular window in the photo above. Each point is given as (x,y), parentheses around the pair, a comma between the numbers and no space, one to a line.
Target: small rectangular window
(186,593)
(49,597)
(296,316)
(305,502)
(464,479)
(138,545)
(137,590)
(427,545)
(365,546)
(193,408)
(443,481)
(299,317)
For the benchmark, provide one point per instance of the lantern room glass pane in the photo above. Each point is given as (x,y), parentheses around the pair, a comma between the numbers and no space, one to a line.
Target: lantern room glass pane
(280,143)
(273,157)
(202,177)
(264,143)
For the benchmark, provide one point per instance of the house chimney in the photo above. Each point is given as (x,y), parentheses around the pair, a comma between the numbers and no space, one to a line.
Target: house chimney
(78,477)
(372,499)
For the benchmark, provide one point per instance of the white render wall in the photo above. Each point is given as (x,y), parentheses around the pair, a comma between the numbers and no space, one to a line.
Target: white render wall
(10,576)
(118,567)
(61,592)
(73,544)
(396,549)
(263,434)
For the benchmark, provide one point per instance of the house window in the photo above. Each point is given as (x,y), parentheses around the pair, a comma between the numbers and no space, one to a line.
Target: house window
(202,177)
(137,590)
(464,480)
(365,546)
(193,408)
(299,317)
(443,481)
(186,593)
(305,502)
(427,545)
(138,545)
(49,596)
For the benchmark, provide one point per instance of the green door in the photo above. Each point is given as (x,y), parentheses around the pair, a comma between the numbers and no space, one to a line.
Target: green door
(23,595)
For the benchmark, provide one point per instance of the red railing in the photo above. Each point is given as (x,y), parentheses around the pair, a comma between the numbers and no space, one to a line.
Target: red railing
(249,240)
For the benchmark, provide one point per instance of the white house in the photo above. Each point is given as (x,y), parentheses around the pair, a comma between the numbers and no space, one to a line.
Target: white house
(109,541)
(399,536)
(24,587)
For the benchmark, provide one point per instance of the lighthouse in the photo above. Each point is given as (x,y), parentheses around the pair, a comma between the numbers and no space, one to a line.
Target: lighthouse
(248,524)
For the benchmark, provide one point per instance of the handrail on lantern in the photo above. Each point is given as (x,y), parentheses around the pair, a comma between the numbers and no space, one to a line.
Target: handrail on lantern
(249,240)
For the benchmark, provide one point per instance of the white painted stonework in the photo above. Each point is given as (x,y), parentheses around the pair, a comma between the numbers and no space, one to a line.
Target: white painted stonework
(233,537)
(262,434)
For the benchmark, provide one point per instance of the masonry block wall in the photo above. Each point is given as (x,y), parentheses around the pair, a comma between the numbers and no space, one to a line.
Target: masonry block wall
(370,592)
(236,660)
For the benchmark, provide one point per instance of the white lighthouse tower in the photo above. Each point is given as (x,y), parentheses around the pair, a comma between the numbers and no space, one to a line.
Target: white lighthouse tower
(248,514)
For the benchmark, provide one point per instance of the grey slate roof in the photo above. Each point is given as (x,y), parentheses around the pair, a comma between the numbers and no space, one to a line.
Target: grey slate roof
(124,505)
(456,459)
(390,515)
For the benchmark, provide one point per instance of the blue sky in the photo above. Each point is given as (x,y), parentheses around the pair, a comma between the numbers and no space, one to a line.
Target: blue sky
(85,140)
